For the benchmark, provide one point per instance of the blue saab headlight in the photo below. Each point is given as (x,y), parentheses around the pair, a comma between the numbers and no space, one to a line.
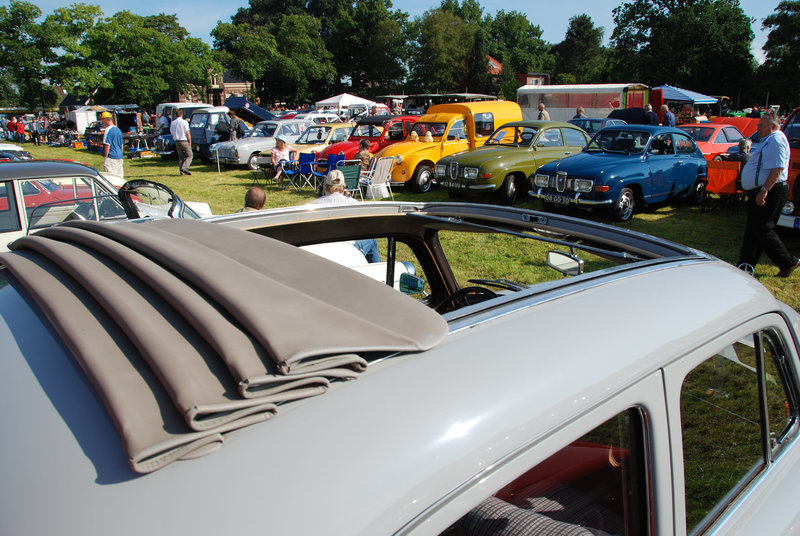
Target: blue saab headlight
(583,185)
(542,181)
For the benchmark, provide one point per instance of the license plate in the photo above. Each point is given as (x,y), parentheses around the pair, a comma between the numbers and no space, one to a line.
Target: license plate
(453,185)
(557,199)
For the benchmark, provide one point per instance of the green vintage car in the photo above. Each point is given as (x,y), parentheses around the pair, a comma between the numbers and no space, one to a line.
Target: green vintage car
(512,153)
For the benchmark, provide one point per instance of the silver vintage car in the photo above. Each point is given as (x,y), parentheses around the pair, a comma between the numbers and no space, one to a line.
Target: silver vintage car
(259,142)
(532,374)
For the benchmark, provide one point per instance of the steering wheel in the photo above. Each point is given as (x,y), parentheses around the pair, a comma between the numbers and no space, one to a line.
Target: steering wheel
(463,297)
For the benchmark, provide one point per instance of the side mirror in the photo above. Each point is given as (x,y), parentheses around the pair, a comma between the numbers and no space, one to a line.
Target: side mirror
(411,284)
(565,263)
(142,198)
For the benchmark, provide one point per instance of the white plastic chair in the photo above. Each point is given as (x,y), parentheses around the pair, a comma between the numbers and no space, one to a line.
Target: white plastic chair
(380,178)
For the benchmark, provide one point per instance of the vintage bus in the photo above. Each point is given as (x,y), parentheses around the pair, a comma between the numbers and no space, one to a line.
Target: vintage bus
(597,99)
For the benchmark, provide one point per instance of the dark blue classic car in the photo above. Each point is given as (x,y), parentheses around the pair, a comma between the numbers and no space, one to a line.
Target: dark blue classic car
(622,168)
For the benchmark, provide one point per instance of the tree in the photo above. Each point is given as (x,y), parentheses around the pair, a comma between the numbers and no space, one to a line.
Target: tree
(22,75)
(782,65)
(581,53)
(442,46)
(518,45)
(699,44)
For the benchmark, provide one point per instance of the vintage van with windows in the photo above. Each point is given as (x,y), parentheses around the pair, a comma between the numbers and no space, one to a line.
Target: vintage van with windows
(446,129)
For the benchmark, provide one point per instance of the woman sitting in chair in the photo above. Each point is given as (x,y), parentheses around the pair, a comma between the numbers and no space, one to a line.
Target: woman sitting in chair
(281,154)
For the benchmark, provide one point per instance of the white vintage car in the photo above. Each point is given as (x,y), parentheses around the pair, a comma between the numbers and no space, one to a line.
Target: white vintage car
(259,142)
(535,374)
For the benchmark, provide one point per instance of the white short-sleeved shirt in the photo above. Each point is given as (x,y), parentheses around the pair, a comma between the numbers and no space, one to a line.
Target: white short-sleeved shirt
(334,199)
(772,152)
(179,128)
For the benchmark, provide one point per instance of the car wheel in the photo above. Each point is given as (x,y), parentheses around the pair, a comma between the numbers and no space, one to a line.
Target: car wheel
(699,193)
(623,207)
(423,176)
(251,162)
(508,192)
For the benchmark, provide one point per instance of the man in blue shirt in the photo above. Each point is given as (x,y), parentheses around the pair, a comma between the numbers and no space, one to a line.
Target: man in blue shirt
(764,178)
(112,146)
(669,117)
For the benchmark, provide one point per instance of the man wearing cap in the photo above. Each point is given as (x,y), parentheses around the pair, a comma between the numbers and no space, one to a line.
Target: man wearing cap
(112,146)
(183,141)
(334,195)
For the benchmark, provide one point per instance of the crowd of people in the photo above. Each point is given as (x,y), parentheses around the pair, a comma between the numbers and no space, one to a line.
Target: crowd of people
(15,129)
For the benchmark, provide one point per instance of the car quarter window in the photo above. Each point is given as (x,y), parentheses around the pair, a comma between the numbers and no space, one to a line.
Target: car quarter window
(550,137)
(737,412)
(9,217)
(720,137)
(732,134)
(595,485)
(574,137)
(684,144)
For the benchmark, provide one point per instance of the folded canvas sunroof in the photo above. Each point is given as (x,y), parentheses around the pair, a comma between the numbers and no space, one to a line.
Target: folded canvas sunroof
(189,330)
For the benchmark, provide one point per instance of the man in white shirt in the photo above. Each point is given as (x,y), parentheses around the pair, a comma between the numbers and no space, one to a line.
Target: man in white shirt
(183,142)
(764,179)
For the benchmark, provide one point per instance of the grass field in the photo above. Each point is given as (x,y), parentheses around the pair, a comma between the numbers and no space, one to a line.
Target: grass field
(716,231)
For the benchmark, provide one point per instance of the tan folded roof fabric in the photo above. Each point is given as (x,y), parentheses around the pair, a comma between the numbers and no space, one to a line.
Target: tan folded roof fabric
(189,330)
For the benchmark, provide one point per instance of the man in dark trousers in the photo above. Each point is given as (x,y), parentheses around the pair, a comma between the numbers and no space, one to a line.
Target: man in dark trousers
(764,179)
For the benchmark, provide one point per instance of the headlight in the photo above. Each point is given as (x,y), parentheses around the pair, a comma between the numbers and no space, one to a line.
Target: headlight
(788,208)
(583,185)
(399,159)
(542,181)
(440,170)
(470,173)
(235,152)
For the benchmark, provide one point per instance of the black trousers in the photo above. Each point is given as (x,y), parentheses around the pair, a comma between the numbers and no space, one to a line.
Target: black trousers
(759,231)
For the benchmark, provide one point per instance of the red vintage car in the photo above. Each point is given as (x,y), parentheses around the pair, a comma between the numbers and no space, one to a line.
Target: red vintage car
(380,130)
(713,139)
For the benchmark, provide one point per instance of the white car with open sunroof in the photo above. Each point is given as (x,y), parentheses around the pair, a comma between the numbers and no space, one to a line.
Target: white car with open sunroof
(529,373)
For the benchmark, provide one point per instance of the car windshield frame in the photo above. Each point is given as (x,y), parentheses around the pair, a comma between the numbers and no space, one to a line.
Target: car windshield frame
(437,128)
(623,141)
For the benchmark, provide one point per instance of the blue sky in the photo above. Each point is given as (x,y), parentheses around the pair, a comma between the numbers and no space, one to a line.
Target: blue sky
(200,16)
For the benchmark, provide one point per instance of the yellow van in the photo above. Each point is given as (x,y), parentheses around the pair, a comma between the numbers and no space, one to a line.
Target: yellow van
(444,130)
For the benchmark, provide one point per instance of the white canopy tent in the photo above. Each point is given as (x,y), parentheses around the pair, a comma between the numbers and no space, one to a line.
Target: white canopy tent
(343,102)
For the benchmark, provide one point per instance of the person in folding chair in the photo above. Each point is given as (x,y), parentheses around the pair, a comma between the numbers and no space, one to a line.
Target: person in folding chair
(334,195)
(281,154)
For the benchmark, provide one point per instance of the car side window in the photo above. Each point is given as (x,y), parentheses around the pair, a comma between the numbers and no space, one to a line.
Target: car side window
(737,411)
(550,137)
(720,137)
(574,137)
(9,217)
(484,124)
(662,144)
(457,131)
(395,132)
(595,485)
(683,144)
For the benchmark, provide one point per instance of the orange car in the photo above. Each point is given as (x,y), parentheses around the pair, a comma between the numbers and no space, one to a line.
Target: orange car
(790,214)
(746,125)
(713,139)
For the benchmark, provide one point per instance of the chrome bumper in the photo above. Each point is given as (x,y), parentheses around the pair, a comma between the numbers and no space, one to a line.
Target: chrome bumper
(574,200)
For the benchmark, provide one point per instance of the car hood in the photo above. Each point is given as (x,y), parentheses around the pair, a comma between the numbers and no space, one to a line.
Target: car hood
(589,163)
(484,155)
(340,147)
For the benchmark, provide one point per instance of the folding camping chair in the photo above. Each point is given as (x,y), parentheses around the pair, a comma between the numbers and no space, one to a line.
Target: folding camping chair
(722,182)
(351,169)
(380,180)
(301,173)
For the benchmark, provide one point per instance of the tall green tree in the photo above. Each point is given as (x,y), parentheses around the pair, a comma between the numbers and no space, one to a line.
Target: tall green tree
(782,65)
(702,45)
(442,46)
(517,43)
(581,53)
(22,73)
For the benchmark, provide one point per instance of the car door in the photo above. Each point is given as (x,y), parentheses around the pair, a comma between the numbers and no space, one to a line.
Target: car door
(549,145)
(663,163)
(688,168)
(733,407)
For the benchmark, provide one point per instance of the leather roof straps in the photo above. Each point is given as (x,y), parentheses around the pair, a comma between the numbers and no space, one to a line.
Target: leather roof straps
(189,330)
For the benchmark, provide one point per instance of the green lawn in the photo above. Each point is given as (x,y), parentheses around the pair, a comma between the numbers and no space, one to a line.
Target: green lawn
(716,231)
